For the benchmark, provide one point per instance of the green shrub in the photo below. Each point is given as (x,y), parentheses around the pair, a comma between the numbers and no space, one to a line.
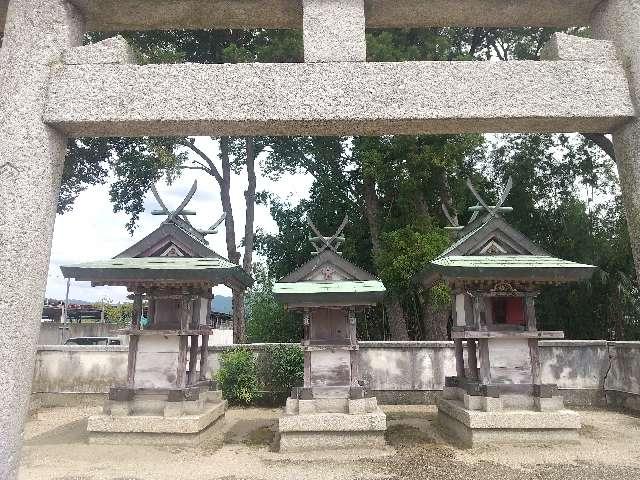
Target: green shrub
(281,369)
(238,376)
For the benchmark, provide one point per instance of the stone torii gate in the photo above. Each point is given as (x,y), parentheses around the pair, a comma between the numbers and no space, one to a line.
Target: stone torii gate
(52,88)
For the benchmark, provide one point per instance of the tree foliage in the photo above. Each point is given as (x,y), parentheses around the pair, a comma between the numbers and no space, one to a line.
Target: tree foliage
(238,376)
(267,319)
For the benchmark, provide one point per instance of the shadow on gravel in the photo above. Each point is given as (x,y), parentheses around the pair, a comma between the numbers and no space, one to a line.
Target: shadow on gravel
(73,432)
(256,432)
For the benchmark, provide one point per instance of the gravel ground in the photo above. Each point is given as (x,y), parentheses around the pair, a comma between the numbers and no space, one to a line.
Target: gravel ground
(56,448)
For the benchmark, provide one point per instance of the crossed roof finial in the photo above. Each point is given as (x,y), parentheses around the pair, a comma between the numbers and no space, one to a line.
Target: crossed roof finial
(322,243)
(492,210)
(181,213)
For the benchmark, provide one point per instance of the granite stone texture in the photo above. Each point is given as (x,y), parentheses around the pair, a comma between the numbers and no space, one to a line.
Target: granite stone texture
(619,21)
(213,435)
(333,31)
(468,437)
(118,15)
(345,98)
(363,428)
(334,422)
(510,419)
(293,442)
(179,424)
(31,160)
(113,50)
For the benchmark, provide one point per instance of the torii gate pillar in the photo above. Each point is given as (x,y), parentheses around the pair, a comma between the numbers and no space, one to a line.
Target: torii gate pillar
(31,161)
(619,21)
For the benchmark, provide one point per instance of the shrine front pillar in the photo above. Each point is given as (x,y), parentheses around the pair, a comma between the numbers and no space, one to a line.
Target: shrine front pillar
(619,21)
(31,161)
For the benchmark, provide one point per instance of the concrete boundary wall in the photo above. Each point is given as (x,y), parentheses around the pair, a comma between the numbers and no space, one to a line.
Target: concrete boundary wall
(589,373)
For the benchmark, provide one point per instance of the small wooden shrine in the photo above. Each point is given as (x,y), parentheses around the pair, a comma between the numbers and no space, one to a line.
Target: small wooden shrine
(495,274)
(168,388)
(332,409)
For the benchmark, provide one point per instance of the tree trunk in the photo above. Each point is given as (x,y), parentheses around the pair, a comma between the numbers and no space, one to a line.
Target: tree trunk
(237,300)
(239,328)
(225,197)
(250,201)
(446,198)
(397,319)
(434,321)
(393,306)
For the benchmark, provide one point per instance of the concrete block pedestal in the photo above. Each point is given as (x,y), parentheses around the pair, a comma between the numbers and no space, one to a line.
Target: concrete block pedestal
(332,424)
(150,419)
(473,428)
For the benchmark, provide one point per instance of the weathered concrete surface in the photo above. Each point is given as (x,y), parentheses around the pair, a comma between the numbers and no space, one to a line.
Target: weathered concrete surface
(619,21)
(116,15)
(157,361)
(333,31)
(78,369)
(31,159)
(339,98)
(574,364)
(624,375)
(406,365)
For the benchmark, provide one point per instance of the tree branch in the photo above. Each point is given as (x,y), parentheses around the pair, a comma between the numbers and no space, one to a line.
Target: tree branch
(190,144)
(189,167)
(603,142)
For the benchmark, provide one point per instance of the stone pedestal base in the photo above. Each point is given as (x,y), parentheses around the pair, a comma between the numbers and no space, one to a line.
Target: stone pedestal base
(152,419)
(472,428)
(329,424)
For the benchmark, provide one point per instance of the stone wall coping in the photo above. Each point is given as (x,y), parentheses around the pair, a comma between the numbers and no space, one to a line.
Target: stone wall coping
(258,347)
(573,343)
(83,348)
(407,344)
(364,344)
(624,344)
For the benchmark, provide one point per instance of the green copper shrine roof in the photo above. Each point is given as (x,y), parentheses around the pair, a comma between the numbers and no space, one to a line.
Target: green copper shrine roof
(347,286)
(126,270)
(347,292)
(521,267)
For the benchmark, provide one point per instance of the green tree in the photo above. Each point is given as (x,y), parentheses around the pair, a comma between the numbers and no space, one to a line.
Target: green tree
(238,376)
(267,319)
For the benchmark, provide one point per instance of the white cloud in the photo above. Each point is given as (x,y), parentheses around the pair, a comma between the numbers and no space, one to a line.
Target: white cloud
(91,231)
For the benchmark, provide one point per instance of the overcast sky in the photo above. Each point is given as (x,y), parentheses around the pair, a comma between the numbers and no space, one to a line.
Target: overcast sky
(91,231)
